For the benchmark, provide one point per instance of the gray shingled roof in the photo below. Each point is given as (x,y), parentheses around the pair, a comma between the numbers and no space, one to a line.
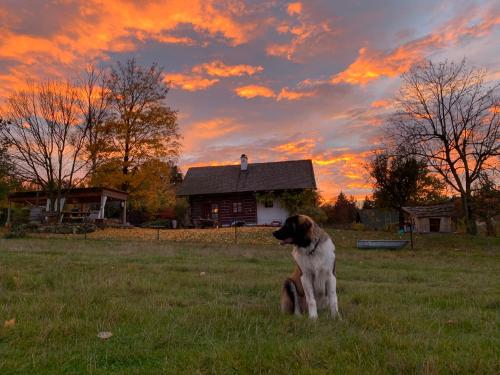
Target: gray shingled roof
(284,175)
(438,210)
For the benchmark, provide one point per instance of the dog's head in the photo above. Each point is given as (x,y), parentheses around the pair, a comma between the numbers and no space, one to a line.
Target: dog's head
(295,231)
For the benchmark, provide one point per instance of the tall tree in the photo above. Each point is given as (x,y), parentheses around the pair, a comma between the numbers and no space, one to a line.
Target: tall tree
(150,184)
(400,179)
(450,118)
(8,176)
(343,211)
(487,202)
(43,132)
(141,124)
(368,203)
(94,106)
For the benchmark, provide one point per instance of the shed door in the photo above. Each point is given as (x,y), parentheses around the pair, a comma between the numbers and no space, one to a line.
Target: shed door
(434,224)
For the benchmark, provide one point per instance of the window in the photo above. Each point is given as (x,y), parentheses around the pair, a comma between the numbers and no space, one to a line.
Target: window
(214,210)
(237,207)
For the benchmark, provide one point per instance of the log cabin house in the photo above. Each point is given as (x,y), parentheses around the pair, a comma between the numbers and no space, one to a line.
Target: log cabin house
(228,194)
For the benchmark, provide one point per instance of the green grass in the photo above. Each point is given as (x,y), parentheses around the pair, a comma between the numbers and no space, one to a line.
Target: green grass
(432,310)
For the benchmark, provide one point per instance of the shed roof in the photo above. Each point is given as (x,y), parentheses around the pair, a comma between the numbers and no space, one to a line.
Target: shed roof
(259,177)
(437,210)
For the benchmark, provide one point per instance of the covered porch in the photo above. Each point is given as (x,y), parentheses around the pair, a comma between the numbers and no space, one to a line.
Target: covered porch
(77,205)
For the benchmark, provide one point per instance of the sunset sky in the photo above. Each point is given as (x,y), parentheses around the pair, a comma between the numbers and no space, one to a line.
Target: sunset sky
(277,80)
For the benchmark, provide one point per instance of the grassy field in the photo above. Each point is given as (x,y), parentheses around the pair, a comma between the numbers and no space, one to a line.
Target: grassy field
(194,302)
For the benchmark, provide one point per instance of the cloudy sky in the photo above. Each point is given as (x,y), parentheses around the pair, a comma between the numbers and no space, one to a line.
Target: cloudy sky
(277,80)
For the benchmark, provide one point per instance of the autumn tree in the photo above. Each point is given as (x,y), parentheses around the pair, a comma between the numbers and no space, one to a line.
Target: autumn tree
(141,125)
(44,135)
(151,183)
(449,117)
(400,179)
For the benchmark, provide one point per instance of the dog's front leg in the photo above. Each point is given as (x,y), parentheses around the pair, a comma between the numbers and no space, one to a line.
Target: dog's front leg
(331,290)
(309,292)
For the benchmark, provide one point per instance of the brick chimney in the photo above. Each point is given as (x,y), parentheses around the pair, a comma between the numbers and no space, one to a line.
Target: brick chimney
(244,162)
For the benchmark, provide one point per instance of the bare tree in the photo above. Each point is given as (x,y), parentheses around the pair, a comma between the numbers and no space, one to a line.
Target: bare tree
(94,106)
(449,117)
(142,125)
(43,131)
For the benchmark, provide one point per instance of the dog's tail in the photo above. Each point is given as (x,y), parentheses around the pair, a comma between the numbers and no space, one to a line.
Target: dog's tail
(290,298)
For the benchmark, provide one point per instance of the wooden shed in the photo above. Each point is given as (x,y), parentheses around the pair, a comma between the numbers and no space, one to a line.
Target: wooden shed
(82,200)
(437,218)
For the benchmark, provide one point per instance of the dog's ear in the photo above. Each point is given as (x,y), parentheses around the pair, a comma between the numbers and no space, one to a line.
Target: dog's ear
(303,231)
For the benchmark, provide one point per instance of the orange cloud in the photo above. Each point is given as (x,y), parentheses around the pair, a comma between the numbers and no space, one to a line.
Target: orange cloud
(303,146)
(214,128)
(195,134)
(198,80)
(384,103)
(371,65)
(309,35)
(218,69)
(95,28)
(324,162)
(294,8)
(190,83)
(286,94)
(252,91)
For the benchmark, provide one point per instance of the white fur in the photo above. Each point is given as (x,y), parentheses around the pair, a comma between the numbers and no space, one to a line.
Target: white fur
(318,280)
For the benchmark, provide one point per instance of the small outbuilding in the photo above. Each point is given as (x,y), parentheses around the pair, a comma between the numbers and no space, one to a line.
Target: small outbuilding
(437,218)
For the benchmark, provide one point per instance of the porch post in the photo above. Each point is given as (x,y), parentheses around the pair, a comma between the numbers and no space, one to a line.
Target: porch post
(104,198)
(60,206)
(7,223)
(124,213)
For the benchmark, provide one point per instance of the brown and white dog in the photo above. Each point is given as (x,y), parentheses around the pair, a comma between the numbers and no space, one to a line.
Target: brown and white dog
(313,284)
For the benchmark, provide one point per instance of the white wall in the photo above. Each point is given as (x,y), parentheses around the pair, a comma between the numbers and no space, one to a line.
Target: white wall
(266,215)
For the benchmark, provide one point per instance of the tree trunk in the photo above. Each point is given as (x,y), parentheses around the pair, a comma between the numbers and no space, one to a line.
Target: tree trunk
(125,184)
(470,219)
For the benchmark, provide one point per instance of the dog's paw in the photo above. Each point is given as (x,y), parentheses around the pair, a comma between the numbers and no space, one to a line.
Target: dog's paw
(336,315)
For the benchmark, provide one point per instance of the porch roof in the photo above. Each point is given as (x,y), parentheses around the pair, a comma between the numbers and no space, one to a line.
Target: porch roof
(77,195)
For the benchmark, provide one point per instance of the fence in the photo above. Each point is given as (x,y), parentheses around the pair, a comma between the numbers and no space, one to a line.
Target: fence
(379,219)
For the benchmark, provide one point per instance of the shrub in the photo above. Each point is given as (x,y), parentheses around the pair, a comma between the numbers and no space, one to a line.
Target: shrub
(16,232)
(358,226)
(157,223)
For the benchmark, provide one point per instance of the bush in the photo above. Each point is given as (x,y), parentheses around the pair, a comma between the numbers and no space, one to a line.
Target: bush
(358,226)
(20,216)
(157,223)
(181,210)
(21,230)
(16,232)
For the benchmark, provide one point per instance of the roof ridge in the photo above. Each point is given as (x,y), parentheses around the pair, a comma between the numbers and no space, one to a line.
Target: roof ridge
(258,163)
